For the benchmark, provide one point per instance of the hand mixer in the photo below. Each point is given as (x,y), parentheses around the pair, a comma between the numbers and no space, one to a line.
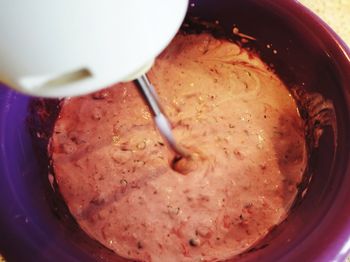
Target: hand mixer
(68,48)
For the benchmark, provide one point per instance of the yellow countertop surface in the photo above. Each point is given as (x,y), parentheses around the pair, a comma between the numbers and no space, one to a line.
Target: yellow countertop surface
(335,13)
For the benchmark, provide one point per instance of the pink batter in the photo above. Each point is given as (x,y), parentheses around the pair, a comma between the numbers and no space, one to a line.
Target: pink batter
(114,171)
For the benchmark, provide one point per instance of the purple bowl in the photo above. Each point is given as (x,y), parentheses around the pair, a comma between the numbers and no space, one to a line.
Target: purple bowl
(309,55)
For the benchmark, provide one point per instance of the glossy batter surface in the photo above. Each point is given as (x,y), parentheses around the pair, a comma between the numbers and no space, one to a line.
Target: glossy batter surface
(114,172)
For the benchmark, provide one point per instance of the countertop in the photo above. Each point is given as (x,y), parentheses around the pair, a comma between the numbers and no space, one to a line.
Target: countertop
(335,12)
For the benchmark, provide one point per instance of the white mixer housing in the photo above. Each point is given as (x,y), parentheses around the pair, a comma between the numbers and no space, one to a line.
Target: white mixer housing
(73,47)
